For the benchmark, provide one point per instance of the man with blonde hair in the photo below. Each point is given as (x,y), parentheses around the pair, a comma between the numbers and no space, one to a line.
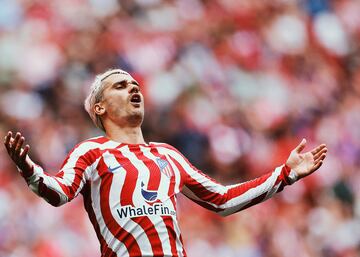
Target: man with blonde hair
(129,186)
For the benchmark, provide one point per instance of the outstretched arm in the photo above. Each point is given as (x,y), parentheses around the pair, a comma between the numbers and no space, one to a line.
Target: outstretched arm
(226,200)
(56,190)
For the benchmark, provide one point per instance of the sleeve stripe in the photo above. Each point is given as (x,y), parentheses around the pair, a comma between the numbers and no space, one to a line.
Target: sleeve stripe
(78,175)
(81,150)
(254,189)
(88,170)
(243,195)
(68,182)
(234,209)
(208,205)
(227,199)
(45,186)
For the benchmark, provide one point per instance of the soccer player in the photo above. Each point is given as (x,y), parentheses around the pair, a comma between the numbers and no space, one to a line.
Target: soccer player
(129,186)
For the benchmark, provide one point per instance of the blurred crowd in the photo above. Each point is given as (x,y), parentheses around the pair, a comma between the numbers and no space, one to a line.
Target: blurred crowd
(234,85)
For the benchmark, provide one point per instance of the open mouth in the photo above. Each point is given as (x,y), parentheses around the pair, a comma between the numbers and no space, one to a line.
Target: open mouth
(135,99)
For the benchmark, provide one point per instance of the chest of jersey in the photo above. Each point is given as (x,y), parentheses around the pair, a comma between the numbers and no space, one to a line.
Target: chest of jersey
(138,175)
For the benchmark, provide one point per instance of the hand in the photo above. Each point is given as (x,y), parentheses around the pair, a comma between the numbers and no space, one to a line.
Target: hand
(306,163)
(18,154)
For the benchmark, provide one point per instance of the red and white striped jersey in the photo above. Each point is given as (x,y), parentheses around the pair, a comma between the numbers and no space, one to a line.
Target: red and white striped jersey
(130,190)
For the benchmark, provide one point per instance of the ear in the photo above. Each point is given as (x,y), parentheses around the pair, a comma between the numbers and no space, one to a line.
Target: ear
(99,109)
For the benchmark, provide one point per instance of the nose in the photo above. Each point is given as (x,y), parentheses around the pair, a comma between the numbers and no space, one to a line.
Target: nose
(134,89)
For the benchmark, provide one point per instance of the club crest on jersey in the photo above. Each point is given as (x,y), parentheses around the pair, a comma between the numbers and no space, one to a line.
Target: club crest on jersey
(165,167)
(149,195)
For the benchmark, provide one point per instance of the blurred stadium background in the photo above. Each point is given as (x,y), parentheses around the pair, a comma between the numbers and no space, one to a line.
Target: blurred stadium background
(234,85)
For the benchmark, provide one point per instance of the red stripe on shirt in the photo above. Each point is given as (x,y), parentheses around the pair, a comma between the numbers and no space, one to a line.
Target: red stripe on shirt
(118,232)
(166,219)
(169,223)
(50,195)
(100,140)
(82,163)
(104,247)
(256,200)
(154,170)
(132,174)
(244,187)
(171,233)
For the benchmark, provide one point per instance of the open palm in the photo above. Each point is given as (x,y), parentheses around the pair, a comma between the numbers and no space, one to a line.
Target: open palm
(18,154)
(306,163)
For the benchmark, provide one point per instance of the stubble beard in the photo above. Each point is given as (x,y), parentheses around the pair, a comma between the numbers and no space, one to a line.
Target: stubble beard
(135,119)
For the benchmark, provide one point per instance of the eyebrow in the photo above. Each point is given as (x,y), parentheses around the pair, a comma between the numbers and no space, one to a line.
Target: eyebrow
(125,80)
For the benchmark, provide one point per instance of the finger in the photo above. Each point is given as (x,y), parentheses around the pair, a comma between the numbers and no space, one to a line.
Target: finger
(19,145)
(322,157)
(301,146)
(24,152)
(317,166)
(318,162)
(16,140)
(318,148)
(7,140)
(317,155)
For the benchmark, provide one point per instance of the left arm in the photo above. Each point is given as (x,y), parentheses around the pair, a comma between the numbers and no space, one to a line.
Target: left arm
(226,200)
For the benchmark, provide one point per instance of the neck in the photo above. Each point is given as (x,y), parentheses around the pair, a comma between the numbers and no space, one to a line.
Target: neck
(129,135)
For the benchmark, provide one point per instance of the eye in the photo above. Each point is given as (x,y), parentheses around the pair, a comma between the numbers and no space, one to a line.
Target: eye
(121,85)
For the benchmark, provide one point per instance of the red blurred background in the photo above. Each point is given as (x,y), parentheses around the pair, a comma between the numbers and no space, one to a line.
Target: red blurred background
(234,85)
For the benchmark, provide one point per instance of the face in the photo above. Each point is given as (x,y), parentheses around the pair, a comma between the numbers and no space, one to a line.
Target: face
(122,102)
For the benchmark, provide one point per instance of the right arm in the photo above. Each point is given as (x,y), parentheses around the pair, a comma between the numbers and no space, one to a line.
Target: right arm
(58,189)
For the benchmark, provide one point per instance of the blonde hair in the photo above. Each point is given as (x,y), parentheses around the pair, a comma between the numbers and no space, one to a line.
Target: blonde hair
(96,95)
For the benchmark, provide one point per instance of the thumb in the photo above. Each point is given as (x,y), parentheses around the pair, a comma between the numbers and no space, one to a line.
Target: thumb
(301,146)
